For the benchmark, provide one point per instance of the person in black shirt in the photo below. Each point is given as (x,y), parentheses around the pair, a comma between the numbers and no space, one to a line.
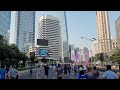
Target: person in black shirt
(31,70)
(65,71)
(69,69)
(75,69)
(46,68)
(17,74)
(7,68)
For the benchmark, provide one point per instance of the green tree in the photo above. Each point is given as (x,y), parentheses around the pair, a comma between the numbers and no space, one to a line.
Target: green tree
(115,58)
(10,54)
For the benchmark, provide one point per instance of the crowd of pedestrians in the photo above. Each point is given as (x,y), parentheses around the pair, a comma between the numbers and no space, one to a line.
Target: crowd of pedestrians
(62,71)
(9,72)
(82,71)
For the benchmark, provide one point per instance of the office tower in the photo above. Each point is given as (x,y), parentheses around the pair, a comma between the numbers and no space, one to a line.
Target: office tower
(25,30)
(72,52)
(95,47)
(5,18)
(49,29)
(117,28)
(103,30)
(61,15)
(84,54)
(114,43)
(8,36)
(69,52)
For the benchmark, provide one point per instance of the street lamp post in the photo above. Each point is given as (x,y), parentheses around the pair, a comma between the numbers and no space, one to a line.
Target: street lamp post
(93,39)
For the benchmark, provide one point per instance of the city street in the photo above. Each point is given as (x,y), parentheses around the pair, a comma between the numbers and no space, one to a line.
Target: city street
(51,75)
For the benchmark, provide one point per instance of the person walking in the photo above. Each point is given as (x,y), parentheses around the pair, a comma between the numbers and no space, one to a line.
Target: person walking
(7,69)
(13,72)
(90,73)
(75,70)
(85,68)
(95,73)
(59,71)
(109,74)
(82,75)
(31,70)
(46,68)
(69,69)
(80,68)
(38,72)
(54,67)
(3,73)
(17,73)
(65,71)
(72,67)
(118,73)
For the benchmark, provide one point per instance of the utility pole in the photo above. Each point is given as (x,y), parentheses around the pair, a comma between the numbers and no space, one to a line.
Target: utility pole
(93,39)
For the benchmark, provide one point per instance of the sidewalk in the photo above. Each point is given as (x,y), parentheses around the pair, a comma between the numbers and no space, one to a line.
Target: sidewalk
(24,72)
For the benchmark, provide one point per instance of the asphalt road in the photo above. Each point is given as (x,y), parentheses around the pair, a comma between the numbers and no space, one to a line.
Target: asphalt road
(51,75)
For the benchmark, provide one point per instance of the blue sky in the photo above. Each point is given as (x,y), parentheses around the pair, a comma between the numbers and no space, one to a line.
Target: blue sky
(80,23)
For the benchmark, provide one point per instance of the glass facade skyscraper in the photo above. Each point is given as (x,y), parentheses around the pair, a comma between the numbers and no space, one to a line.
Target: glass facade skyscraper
(61,15)
(5,17)
(25,30)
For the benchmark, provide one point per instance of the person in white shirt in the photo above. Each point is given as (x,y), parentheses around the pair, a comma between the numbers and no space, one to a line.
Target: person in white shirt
(81,68)
(109,74)
(85,68)
(54,67)
(38,72)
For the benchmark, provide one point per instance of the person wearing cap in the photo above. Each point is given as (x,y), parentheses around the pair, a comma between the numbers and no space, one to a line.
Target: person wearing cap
(109,74)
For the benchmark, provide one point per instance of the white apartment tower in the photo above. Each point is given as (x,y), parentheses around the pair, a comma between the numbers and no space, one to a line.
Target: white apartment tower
(103,30)
(49,29)
(95,47)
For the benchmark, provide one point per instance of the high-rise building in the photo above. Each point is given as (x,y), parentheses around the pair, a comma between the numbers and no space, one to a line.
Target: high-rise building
(72,52)
(25,30)
(95,47)
(103,30)
(114,43)
(69,52)
(117,28)
(5,18)
(61,15)
(8,36)
(83,53)
(49,29)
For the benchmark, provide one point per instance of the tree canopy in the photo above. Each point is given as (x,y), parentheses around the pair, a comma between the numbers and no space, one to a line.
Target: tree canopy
(10,53)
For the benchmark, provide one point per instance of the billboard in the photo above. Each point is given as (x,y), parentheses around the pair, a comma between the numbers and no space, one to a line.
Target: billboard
(42,42)
(43,52)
